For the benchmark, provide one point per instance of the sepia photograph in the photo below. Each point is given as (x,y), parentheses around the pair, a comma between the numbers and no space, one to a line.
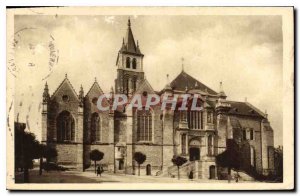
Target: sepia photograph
(150,98)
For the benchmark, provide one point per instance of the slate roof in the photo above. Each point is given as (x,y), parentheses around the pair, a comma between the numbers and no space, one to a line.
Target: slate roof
(184,80)
(244,108)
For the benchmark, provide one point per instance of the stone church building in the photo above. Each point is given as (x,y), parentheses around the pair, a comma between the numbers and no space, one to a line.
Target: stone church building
(73,124)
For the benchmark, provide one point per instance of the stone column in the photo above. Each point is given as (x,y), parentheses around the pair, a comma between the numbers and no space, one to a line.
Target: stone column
(187,143)
(168,144)
(267,137)
(222,129)
(207,147)
(44,122)
(79,140)
(111,161)
(129,143)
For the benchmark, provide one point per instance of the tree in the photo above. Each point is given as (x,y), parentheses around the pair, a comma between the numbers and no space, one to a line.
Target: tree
(178,161)
(26,149)
(230,158)
(96,155)
(140,158)
(278,163)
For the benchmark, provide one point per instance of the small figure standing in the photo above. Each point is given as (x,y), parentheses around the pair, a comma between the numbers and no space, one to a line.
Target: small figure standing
(101,170)
(98,170)
(191,175)
(229,178)
(237,176)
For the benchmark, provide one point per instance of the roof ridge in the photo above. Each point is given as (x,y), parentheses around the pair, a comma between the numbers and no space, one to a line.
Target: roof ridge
(193,78)
(256,109)
(235,101)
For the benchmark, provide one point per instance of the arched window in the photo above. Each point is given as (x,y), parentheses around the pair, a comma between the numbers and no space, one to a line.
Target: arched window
(252,156)
(133,63)
(65,125)
(144,125)
(95,127)
(127,62)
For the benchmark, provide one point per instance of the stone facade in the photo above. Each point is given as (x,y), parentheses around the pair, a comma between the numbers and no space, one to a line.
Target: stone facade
(74,125)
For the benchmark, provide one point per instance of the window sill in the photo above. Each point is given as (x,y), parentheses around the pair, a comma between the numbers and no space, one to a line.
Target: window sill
(144,142)
(65,142)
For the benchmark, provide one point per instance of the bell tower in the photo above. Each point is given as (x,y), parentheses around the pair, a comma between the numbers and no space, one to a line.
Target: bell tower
(129,65)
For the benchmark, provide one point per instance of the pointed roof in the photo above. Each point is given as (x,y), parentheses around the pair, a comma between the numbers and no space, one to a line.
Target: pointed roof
(96,88)
(144,86)
(66,81)
(185,82)
(129,44)
(95,85)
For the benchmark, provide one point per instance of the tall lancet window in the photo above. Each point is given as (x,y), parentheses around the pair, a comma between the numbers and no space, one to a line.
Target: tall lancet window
(195,119)
(128,62)
(95,128)
(65,125)
(144,125)
(134,84)
(126,85)
(134,63)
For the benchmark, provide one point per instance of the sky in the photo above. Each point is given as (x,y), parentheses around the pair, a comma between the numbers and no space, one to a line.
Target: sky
(244,52)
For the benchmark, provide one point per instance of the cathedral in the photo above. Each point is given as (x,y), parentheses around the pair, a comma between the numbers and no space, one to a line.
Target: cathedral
(72,123)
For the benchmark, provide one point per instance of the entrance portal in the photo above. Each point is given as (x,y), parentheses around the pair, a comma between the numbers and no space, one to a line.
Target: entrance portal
(121,164)
(194,153)
(148,170)
(212,172)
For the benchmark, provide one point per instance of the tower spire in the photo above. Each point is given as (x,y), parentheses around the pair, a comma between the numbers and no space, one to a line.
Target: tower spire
(129,44)
(168,86)
(46,95)
(80,96)
(129,23)
(221,92)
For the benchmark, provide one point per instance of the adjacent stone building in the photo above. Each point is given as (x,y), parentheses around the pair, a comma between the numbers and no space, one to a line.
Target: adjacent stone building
(74,125)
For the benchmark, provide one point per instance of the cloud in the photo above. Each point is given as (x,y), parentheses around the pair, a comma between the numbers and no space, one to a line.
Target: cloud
(109,19)
(245,52)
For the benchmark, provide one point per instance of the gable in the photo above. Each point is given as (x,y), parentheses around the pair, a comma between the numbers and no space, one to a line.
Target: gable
(95,90)
(145,86)
(65,88)
(94,93)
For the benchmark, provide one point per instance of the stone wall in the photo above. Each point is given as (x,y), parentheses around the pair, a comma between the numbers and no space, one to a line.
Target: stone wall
(254,123)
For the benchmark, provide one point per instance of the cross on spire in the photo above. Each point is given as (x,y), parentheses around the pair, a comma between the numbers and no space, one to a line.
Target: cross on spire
(182,63)
(129,23)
